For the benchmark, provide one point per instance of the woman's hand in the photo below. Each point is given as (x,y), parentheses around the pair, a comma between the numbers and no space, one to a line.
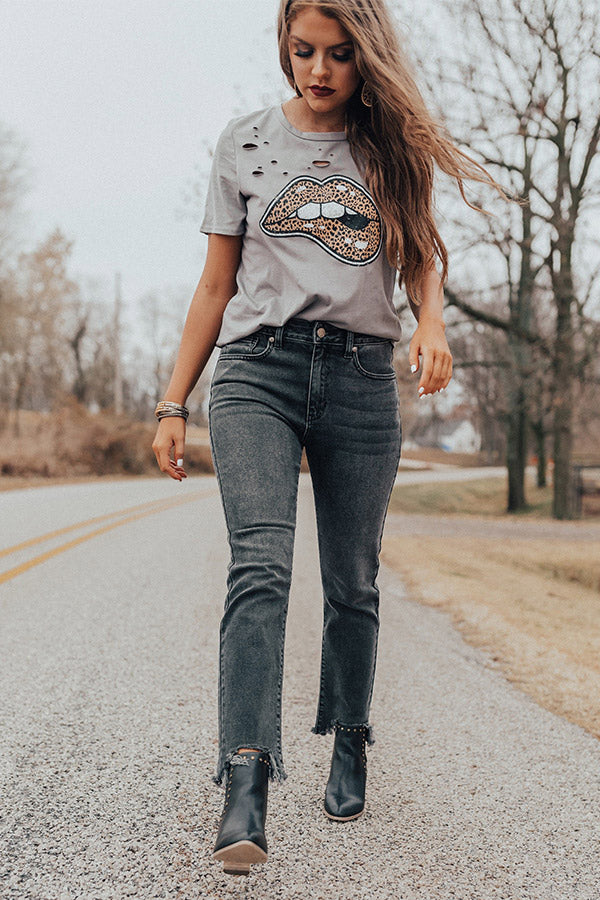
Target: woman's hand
(170,436)
(429,342)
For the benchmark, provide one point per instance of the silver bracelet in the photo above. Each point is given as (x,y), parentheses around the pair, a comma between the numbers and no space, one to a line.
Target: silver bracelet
(166,408)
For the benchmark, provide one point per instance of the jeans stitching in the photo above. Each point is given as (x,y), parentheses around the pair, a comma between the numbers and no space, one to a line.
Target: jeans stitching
(308,397)
(378,560)
(389,376)
(261,355)
(232,558)
(322,680)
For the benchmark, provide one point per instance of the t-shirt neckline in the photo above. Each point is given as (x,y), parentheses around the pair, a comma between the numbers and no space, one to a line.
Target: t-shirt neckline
(308,135)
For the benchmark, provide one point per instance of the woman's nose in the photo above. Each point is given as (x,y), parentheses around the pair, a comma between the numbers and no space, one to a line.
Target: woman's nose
(319,69)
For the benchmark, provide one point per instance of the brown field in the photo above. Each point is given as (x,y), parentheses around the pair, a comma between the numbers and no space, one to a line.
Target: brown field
(73,444)
(480,497)
(435,455)
(532,603)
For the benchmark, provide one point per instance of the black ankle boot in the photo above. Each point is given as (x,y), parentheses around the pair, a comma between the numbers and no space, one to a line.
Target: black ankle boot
(345,791)
(241,839)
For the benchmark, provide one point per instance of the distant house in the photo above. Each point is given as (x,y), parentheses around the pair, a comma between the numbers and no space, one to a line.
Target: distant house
(461,437)
(452,432)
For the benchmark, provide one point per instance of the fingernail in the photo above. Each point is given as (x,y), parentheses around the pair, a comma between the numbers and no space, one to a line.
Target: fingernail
(179,462)
(413,368)
(421,390)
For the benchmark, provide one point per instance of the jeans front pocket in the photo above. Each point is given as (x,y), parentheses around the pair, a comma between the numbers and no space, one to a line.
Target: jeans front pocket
(374,360)
(255,346)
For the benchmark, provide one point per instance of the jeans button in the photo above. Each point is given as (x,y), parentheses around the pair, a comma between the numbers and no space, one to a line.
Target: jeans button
(321,332)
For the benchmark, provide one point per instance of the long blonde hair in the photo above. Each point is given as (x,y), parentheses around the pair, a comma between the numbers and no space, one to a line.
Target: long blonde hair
(396,141)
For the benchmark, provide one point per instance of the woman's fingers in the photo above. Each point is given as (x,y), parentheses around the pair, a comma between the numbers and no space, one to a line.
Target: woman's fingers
(436,372)
(413,355)
(178,454)
(168,446)
(447,372)
(427,364)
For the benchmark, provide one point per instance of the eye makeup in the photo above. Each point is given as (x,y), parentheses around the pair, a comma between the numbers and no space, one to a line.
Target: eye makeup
(340,52)
(339,57)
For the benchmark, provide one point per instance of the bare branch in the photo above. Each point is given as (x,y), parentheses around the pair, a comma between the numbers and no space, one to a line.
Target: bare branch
(495,321)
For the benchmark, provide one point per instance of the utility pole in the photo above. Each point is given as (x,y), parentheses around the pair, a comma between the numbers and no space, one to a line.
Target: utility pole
(118,385)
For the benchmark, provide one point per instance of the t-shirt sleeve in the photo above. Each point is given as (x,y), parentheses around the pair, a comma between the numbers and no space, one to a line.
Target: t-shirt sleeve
(225,208)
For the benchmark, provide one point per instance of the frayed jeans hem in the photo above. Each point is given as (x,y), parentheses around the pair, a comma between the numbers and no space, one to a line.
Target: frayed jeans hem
(277,772)
(369,731)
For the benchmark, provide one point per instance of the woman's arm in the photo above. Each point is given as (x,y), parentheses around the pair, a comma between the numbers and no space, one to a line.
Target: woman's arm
(429,340)
(215,289)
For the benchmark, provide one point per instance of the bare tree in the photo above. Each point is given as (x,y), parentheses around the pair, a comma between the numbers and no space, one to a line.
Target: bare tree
(13,182)
(525,99)
(42,291)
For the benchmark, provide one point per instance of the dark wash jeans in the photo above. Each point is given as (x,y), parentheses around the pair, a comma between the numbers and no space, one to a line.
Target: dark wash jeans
(334,392)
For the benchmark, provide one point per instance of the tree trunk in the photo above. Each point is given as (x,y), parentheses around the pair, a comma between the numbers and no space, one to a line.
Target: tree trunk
(516,451)
(540,449)
(79,385)
(563,410)
(520,315)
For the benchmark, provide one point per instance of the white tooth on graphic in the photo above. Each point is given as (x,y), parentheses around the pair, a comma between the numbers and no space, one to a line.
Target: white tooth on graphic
(309,211)
(361,245)
(332,210)
(300,188)
(341,187)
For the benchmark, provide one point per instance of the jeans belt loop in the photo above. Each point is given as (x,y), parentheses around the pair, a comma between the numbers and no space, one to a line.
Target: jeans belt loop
(349,344)
(279,336)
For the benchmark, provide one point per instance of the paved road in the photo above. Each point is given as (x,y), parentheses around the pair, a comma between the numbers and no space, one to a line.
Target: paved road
(108,653)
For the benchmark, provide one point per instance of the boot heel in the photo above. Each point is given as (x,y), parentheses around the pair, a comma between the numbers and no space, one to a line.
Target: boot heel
(237,858)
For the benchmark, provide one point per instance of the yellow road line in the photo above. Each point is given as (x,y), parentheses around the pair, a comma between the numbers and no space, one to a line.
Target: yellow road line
(60,531)
(37,560)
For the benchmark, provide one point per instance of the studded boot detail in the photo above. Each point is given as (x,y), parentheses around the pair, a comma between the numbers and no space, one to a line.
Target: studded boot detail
(345,791)
(241,838)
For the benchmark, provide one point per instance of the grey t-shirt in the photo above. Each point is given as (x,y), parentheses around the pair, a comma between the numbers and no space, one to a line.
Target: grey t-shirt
(313,242)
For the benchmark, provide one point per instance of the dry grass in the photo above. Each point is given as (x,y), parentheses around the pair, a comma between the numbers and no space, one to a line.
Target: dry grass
(72,443)
(435,455)
(481,497)
(534,605)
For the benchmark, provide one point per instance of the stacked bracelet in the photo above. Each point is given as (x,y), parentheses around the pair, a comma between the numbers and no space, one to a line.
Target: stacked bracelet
(167,408)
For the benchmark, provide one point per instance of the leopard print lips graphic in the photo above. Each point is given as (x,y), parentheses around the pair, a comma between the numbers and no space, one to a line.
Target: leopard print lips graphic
(337,213)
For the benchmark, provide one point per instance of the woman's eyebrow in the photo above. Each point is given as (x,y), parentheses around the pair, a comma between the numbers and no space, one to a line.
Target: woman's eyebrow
(333,47)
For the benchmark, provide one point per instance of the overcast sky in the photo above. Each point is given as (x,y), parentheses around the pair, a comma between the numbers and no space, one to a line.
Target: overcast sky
(116,102)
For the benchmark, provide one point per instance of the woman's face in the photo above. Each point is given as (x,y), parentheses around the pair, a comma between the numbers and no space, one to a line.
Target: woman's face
(322,56)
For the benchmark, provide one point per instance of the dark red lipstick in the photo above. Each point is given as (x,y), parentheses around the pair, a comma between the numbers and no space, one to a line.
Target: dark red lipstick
(320,91)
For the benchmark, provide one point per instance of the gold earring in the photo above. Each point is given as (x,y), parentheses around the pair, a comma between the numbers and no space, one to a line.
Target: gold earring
(366,95)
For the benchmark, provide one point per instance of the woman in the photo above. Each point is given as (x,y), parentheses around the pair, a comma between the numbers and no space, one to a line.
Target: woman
(313,208)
